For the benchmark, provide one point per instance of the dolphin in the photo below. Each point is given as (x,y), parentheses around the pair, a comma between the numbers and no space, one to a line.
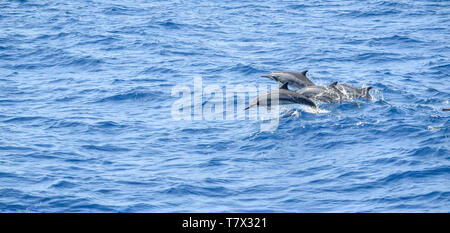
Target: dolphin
(350,92)
(294,79)
(327,94)
(285,96)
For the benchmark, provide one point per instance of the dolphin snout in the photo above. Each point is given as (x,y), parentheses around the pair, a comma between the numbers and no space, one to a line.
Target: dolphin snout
(266,76)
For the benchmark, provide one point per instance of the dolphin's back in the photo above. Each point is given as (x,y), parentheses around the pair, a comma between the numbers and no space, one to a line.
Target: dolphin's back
(284,97)
(297,80)
(311,91)
(294,97)
(302,76)
(321,93)
(350,91)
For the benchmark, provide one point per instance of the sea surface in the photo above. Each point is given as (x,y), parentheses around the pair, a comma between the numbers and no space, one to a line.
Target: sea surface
(86,99)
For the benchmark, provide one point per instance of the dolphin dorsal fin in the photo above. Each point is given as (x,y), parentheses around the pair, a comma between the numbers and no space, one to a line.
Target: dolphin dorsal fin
(284,86)
(304,72)
(333,84)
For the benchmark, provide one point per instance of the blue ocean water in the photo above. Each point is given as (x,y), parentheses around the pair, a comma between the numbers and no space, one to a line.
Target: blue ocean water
(85,106)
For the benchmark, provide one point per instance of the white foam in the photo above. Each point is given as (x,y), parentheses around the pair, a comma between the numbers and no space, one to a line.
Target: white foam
(315,110)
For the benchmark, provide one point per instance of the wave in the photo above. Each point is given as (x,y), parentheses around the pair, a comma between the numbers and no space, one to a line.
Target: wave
(135,95)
